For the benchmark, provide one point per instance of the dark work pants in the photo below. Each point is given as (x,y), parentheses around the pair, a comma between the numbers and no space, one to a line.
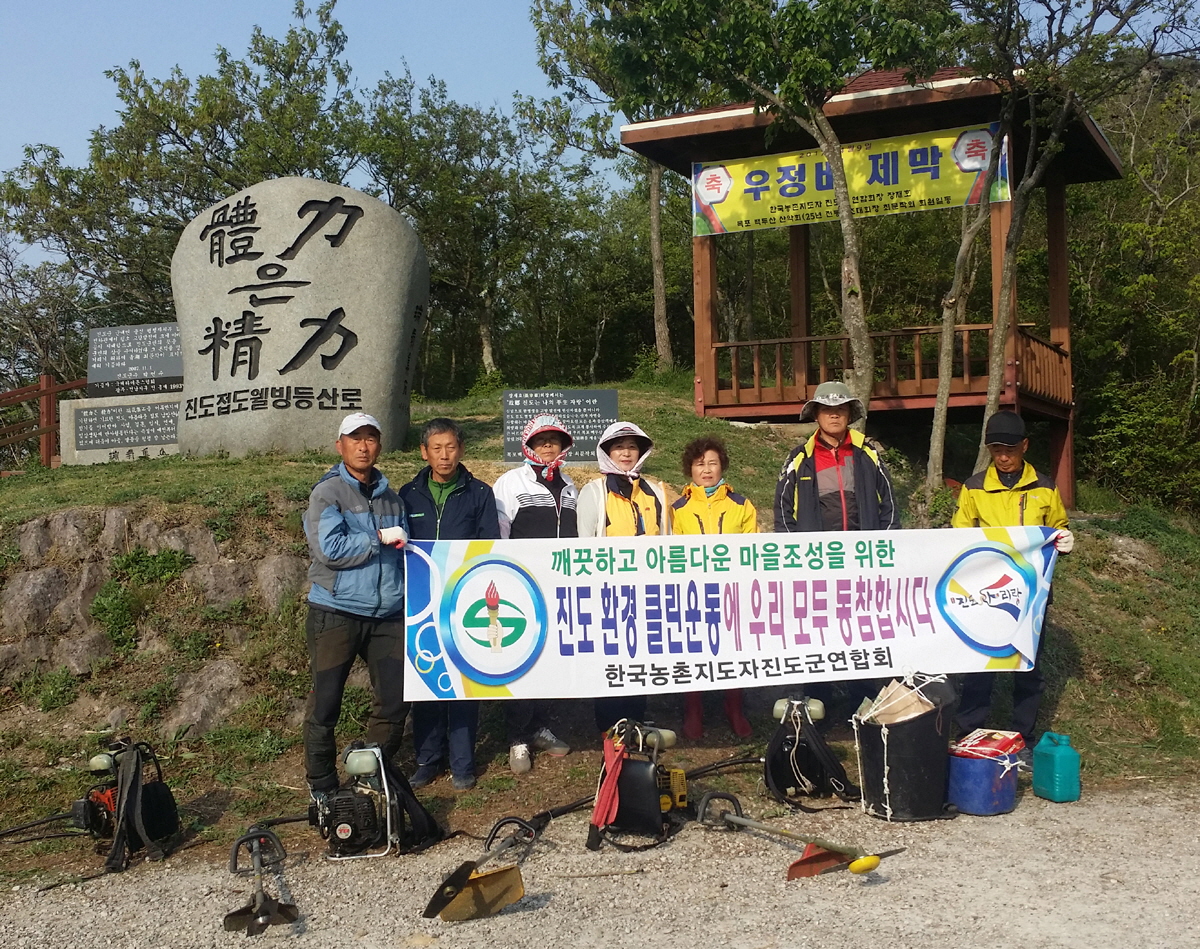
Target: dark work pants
(445,731)
(612,708)
(335,640)
(522,717)
(976,701)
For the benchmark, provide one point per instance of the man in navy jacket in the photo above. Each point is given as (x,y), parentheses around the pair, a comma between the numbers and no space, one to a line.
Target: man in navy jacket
(355,526)
(445,502)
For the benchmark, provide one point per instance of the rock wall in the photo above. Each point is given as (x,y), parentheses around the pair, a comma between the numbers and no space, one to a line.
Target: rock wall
(46,599)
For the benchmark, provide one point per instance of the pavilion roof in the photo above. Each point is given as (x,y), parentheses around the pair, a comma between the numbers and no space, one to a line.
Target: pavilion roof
(873,105)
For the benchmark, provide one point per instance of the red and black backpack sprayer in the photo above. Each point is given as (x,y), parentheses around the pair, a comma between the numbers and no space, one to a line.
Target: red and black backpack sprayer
(136,810)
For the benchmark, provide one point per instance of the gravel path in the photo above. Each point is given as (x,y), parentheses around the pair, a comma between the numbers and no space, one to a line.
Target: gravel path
(1116,869)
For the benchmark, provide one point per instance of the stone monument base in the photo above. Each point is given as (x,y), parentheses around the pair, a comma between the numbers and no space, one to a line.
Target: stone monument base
(121,428)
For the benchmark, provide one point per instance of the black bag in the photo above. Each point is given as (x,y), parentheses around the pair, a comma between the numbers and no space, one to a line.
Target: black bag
(799,763)
(418,828)
(146,814)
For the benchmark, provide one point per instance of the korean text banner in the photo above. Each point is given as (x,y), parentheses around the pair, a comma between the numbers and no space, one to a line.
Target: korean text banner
(588,617)
(923,172)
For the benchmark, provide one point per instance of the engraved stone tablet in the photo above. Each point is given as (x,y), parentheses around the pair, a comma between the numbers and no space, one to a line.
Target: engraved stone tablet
(123,428)
(134,360)
(586,413)
(298,302)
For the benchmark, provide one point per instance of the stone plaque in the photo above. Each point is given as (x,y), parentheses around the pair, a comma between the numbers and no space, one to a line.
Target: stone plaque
(298,302)
(586,413)
(122,428)
(134,360)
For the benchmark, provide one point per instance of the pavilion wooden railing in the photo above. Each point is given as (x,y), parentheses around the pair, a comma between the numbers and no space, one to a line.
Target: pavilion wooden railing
(783,370)
(45,426)
(1044,368)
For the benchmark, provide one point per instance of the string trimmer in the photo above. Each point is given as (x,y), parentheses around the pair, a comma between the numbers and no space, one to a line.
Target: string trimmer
(820,855)
(265,850)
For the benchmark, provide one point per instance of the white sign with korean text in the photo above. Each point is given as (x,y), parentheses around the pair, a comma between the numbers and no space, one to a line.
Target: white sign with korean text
(593,617)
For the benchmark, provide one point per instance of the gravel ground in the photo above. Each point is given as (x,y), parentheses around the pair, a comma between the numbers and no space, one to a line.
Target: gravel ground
(1116,869)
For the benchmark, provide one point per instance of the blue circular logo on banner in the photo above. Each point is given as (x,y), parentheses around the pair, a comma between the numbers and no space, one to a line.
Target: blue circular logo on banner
(985,594)
(493,620)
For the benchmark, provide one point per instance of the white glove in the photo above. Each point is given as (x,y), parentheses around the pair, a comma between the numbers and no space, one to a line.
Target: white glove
(396,536)
(1064,541)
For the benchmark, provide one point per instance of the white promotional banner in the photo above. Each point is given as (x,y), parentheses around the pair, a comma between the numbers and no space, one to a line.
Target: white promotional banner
(573,618)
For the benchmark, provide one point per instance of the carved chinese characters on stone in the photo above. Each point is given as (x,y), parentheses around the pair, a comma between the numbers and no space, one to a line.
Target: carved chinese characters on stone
(298,302)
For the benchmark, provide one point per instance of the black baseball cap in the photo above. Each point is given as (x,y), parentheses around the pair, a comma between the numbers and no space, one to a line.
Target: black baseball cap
(1004,428)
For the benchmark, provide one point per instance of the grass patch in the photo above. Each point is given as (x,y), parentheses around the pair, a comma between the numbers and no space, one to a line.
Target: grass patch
(47,691)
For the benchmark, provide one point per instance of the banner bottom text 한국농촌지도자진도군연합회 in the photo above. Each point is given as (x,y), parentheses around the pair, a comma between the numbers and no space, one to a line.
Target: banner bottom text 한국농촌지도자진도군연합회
(569,618)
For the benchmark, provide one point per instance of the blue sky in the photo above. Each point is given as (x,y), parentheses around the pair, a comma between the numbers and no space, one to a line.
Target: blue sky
(53,89)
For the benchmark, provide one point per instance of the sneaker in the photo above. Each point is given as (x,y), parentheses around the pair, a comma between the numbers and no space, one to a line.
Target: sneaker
(519,759)
(545,740)
(464,782)
(424,776)
(1025,757)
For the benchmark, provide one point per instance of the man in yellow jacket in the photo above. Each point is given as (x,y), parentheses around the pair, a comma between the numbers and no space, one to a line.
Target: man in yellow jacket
(1008,493)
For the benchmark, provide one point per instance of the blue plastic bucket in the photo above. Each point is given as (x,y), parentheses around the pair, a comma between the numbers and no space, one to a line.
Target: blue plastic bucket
(982,786)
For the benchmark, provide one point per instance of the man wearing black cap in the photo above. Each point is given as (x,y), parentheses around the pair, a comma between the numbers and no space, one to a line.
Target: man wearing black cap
(1008,493)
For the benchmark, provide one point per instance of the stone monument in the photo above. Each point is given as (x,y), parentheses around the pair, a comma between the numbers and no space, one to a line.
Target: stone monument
(298,302)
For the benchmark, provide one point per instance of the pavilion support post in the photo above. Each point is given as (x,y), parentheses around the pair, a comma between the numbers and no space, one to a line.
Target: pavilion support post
(704,294)
(47,419)
(799,275)
(1001,221)
(1062,458)
(1062,453)
(1056,240)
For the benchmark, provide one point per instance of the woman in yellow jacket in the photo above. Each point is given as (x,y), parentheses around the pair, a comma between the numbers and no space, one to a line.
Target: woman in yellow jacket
(708,506)
(622,502)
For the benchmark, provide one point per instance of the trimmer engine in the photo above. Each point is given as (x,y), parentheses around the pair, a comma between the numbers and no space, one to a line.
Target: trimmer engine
(361,818)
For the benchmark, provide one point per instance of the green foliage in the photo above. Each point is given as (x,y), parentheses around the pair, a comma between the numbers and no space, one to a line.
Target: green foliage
(154,701)
(1096,499)
(1140,445)
(250,743)
(235,611)
(138,576)
(47,691)
(140,567)
(117,610)
(486,384)
(193,643)
(1181,546)
(645,365)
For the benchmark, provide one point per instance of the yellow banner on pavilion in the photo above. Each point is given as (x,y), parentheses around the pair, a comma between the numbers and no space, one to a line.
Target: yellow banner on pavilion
(924,172)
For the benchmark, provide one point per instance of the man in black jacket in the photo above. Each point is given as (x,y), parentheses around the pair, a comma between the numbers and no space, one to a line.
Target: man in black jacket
(445,502)
(835,481)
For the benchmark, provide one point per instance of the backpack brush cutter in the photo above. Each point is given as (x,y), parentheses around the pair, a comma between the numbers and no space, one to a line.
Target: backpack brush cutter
(374,812)
(124,806)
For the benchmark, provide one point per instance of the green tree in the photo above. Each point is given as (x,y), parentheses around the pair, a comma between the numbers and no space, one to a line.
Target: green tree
(1054,60)
(790,58)
(485,199)
(577,58)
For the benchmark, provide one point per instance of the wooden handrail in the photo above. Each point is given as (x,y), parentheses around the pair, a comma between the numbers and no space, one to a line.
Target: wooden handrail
(30,393)
(46,427)
(1057,347)
(882,334)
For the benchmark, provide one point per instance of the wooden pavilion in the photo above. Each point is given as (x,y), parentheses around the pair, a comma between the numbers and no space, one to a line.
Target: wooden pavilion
(772,378)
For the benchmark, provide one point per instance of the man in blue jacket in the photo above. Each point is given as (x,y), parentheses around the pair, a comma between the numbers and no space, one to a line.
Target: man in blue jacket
(445,502)
(356,527)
